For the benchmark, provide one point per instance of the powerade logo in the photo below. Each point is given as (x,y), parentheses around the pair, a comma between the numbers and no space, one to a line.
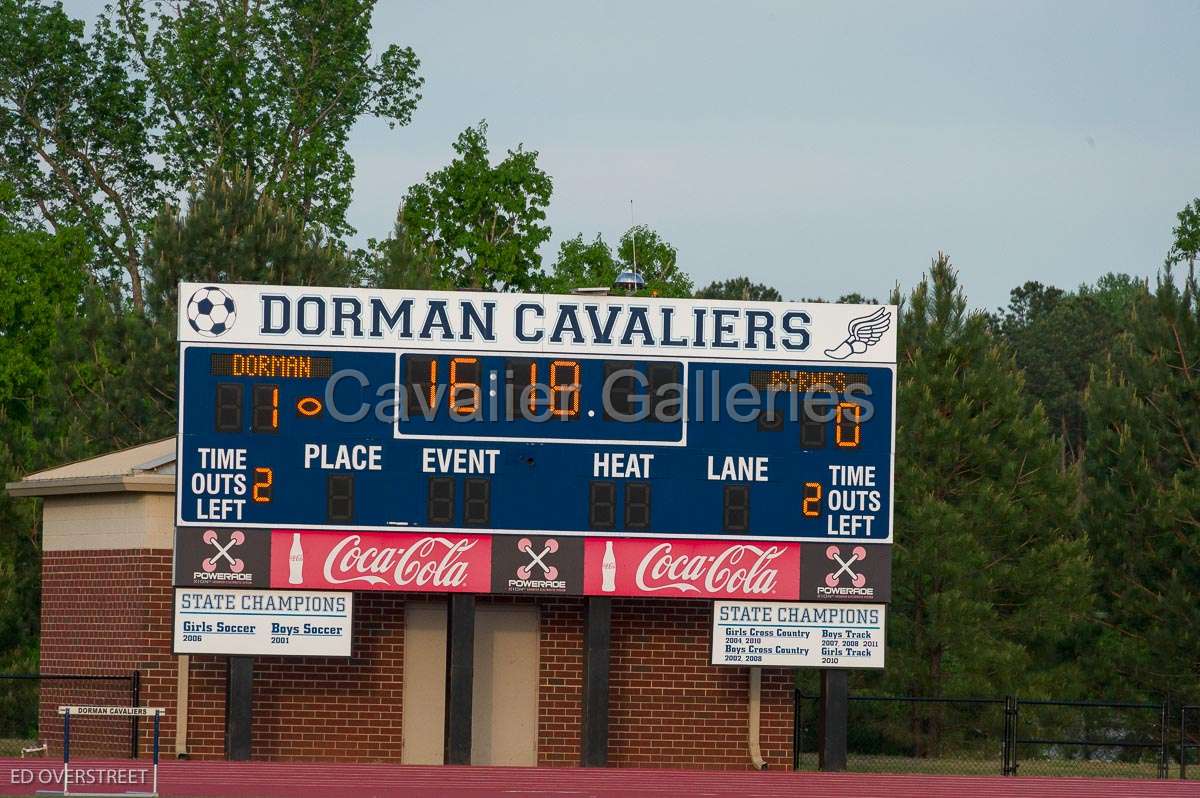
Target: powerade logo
(549,580)
(212,556)
(223,565)
(842,579)
(533,564)
(846,572)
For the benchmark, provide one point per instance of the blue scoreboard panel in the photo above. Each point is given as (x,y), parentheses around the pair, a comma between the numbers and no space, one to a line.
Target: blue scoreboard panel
(352,409)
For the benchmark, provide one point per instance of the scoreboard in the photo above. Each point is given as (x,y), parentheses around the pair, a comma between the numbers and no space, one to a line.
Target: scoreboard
(574,416)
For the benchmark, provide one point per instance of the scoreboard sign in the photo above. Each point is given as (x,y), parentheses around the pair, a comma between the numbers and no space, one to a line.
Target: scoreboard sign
(792,635)
(418,420)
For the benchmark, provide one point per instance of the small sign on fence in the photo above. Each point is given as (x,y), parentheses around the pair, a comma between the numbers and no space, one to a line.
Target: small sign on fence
(138,712)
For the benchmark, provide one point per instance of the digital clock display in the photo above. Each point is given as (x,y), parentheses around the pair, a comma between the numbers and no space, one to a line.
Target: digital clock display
(497,397)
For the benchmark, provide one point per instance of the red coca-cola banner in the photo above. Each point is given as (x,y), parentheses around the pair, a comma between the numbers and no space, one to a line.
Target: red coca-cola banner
(432,562)
(691,569)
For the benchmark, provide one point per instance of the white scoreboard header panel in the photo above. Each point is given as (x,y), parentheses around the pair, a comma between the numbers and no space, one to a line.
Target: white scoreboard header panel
(474,322)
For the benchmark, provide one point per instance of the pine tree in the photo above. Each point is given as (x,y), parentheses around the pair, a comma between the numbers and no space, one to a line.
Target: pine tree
(119,386)
(1143,494)
(990,569)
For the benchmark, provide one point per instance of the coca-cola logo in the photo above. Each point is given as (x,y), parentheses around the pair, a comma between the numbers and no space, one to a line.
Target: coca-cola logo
(428,562)
(744,569)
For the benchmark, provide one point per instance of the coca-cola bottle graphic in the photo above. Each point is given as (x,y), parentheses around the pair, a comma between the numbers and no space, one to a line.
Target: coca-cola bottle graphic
(608,569)
(296,561)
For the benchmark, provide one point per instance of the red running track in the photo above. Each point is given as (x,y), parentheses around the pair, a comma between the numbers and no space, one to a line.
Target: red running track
(190,779)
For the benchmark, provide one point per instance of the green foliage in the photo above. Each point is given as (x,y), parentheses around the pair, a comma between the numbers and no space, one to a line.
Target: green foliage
(482,222)
(991,570)
(852,298)
(121,368)
(98,132)
(76,139)
(41,276)
(1143,493)
(1057,339)
(1186,236)
(739,288)
(646,251)
(582,264)
(233,233)
(272,88)
(593,264)
(402,260)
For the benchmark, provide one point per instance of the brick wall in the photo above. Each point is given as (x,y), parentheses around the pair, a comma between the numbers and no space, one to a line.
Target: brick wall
(560,708)
(670,708)
(110,612)
(105,612)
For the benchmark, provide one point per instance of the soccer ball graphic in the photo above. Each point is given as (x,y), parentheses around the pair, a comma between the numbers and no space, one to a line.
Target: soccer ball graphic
(210,311)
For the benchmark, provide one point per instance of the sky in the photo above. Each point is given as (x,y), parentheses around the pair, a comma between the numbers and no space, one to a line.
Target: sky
(821,148)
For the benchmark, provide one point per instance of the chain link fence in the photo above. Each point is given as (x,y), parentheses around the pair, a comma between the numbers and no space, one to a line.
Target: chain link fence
(1091,738)
(911,734)
(30,725)
(1005,736)
(1189,742)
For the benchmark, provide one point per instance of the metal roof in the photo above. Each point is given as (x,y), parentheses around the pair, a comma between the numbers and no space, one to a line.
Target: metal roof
(149,468)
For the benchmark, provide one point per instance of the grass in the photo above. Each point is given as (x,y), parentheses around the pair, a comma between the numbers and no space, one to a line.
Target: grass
(977,765)
(11,746)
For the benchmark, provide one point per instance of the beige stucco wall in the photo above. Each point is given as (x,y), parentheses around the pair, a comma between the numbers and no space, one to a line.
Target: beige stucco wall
(504,702)
(107,521)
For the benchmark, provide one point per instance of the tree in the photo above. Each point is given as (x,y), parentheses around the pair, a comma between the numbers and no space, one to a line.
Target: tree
(229,232)
(1057,337)
(482,222)
(99,131)
(739,288)
(852,298)
(41,276)
(593,264)
(582,264)
(1143,494)
(643,250)
(991,570)
(1186,236)
(120,369)
(403,261)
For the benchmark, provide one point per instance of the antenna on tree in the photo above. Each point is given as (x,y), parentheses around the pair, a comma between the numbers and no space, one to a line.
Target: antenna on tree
(631,281)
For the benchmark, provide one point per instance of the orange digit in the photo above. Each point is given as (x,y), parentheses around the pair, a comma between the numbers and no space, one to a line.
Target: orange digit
(533,387)
(572,387)
(275,408)
(433,383)
(842,436)
(263,479)
(455,385)
(812,499)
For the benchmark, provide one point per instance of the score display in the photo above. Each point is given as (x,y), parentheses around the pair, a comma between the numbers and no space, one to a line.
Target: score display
(296,430)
